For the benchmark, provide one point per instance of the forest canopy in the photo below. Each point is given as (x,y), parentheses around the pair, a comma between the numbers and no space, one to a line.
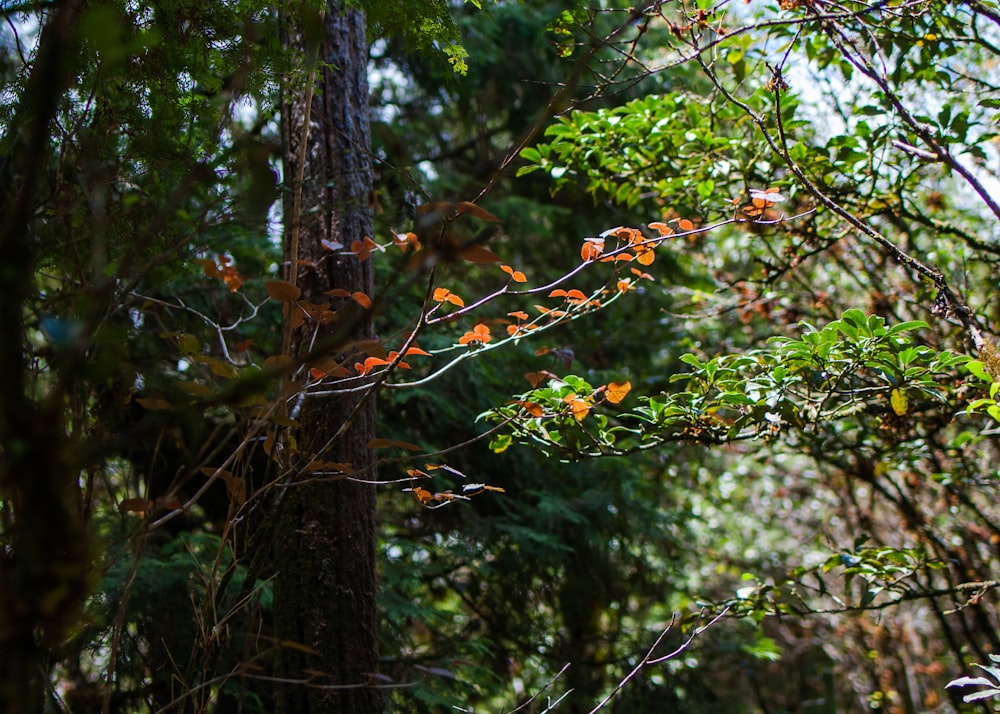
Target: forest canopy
(499,356)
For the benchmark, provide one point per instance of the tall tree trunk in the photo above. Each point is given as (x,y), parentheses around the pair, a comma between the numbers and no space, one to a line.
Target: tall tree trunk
(325,587)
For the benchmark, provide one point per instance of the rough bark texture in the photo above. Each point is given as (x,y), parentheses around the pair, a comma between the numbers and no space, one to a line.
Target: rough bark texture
(325,588)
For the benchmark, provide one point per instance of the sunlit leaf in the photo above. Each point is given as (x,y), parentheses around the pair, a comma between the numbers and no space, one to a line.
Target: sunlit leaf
(616,391)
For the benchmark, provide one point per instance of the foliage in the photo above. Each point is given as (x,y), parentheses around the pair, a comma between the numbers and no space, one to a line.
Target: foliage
(767,391)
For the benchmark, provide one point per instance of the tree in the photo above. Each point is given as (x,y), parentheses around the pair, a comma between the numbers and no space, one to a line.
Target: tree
(781,409)
(325,586)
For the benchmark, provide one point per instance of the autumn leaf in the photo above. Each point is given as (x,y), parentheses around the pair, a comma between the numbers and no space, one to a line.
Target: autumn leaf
(532,408)
(578,407)
(467,207)
(135,505)
(685,225)
(616,391)
(592,249)
(516,275)
(479,334)
(405,241)
(361,299)
(282,290)
(446,295)
(766,196)
(662,228)
(363,249)
(478,254)
(369,364)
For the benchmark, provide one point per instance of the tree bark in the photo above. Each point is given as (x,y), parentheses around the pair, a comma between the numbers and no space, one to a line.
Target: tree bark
(325,546)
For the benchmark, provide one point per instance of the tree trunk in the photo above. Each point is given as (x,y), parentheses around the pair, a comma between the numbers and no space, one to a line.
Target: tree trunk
(325,544)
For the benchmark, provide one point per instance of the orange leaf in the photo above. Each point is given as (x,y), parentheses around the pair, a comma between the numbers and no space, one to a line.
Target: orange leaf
(209,267)
(624,284)
(767,196)
(575,295)
(480,333)
(416,351)
(662,228)
(135,505)
(282,290)
(338,292)
(422,495)
(577,407)
(372,362)
(592,249)
(478,254)
(558,292)
(642,275)
(685,225)
(441,206)
(616,391)
(379,443)
(363,249)
(646,258)
(532,408)
(404,241)
(474,210)
(516,275)
(519,314)
(446,295)
(363,300)
(536,378)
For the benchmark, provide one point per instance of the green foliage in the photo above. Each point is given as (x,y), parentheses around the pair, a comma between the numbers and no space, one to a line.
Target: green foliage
(782,415)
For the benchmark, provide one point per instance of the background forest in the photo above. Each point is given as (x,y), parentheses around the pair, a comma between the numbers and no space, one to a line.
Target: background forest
(499,356)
